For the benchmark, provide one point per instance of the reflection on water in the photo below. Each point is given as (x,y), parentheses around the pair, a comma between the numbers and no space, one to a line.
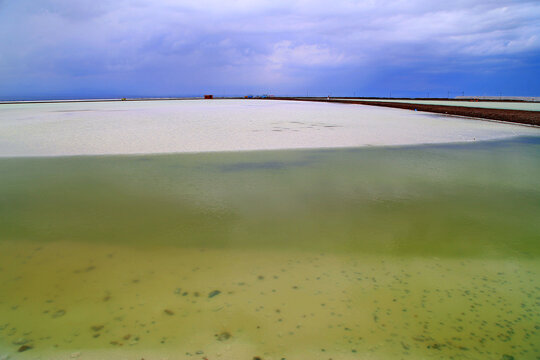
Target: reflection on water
(428,251)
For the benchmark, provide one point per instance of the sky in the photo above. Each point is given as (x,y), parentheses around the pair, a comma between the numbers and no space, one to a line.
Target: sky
(54,49)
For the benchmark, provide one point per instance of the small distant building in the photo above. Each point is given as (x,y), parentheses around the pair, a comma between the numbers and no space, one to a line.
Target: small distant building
(208,96)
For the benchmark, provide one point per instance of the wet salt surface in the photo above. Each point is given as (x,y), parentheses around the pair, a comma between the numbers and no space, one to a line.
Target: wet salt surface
(224,125)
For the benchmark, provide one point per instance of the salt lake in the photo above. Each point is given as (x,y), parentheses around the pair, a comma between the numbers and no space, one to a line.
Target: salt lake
(265,229)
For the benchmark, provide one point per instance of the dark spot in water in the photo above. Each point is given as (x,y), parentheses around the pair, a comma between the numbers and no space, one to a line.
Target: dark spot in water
(225,335)
(168,312)
(58,313)
(435,346)
(214,293)
(507,357)
(420,338)
(24,348)
(97,327)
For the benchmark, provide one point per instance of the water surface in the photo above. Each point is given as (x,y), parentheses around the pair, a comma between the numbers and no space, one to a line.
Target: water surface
(407,252)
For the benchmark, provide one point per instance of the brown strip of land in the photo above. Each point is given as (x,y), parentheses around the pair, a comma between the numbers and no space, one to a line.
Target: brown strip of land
(515,116)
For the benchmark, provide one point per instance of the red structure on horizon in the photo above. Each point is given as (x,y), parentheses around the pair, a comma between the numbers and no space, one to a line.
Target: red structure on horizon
(208,96)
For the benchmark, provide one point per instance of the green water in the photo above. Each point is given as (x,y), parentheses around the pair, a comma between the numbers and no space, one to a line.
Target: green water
(405,252)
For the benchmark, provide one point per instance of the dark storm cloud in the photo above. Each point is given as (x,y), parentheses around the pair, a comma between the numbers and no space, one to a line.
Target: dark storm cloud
(169,47)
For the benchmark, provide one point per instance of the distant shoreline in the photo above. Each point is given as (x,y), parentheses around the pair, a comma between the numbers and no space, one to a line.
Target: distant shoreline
(308,98)
(513,116)
(9,102)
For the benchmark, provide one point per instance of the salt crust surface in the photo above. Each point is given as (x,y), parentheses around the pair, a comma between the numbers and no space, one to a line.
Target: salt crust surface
(169,126)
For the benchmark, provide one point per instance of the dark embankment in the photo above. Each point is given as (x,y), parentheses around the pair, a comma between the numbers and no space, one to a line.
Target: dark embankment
(515,116)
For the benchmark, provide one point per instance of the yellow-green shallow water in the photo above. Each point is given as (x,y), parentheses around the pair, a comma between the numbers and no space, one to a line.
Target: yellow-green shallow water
(374,253)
